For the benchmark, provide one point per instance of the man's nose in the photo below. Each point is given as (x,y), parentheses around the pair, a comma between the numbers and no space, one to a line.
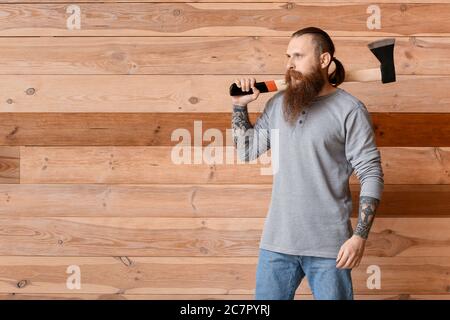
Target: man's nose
(290,65)
(289,68)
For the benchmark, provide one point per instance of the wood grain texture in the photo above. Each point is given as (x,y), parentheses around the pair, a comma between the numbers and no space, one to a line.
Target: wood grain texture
(202,275)
(195,93)
(194,201)
(217,19)
(227,1)
(253,55)
(86,173)
(155,165)
(9,165)
(118,296)
(165,129)
(113,236)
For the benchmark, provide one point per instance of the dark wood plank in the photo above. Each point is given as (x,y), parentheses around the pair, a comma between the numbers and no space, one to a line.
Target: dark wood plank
(155,129)
(412,129)
(9,164)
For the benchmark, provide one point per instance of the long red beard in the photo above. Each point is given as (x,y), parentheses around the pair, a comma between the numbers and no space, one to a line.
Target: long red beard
(299,94)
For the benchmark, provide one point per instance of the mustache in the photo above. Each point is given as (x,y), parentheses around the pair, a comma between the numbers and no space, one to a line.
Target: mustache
(293,74)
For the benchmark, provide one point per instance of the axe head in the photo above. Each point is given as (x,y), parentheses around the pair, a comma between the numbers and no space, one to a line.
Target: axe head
(384,51)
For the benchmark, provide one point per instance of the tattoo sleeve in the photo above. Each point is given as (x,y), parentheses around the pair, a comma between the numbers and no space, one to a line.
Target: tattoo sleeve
(240,122)
(250,141)
(367,209)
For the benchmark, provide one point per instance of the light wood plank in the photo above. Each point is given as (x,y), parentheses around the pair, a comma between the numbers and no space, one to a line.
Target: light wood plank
(252,55)
(108,296)
(193,93)
(229,1)
(243,19)
(218,201)
(101,236)
(154,165)
(202,276)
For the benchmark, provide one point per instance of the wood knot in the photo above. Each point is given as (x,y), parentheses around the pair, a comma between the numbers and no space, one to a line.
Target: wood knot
(13,132)
(193,100)
(22,283)
(126,261)
(30,91)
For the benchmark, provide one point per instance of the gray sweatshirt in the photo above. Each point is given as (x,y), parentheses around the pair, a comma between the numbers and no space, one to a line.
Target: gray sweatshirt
(311,203)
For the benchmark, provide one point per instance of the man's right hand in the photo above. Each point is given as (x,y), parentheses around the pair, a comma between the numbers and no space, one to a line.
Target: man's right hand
(245,84)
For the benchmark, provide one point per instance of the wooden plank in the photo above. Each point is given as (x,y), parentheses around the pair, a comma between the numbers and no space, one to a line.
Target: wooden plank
(155,165)
(189,201)
(260,19)
(112,296)
(411,129)
(165,129)
(226,1)
(153,236)
(9,164)
(202,276)
(203,55)
(106,93)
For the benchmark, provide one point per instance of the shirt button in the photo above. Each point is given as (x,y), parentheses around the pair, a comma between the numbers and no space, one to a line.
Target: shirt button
(303,112)
(300,121)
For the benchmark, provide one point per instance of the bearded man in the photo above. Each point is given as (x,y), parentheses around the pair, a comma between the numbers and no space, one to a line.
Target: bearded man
(324,134)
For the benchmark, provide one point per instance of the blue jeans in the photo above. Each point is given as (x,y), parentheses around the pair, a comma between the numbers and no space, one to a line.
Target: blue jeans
(278,276)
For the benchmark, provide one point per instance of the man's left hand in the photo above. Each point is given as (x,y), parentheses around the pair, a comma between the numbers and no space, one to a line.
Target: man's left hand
(351,253)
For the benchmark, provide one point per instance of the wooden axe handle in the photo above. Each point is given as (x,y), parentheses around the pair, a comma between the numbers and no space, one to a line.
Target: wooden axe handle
(363,75)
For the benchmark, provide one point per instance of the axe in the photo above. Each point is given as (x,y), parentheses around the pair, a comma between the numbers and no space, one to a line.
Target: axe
(382,49)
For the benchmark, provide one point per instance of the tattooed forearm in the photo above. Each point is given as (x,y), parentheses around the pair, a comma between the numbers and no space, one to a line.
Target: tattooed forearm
(250,140)
(240,122)
(367,209)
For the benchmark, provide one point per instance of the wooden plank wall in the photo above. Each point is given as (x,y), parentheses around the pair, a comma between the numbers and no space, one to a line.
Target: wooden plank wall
(86,176)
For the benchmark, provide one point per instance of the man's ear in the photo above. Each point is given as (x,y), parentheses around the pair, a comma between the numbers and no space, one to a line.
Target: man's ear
(325,60)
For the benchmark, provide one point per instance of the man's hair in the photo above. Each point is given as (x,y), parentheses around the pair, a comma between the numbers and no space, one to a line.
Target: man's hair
(323,43)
